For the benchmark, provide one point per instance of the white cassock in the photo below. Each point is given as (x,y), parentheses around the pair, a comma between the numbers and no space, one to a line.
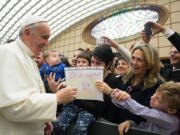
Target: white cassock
(24,105)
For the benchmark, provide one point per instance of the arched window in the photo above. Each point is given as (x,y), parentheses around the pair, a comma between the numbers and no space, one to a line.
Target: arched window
(125,24)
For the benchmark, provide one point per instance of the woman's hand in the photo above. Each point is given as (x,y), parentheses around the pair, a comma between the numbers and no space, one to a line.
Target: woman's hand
(111,42)
(102,87)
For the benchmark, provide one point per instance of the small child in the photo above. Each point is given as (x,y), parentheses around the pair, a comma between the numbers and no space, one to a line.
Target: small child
(72,112)
(53,65)
(162,117)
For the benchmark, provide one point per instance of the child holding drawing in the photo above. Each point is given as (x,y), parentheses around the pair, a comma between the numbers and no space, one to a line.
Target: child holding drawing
(72,112)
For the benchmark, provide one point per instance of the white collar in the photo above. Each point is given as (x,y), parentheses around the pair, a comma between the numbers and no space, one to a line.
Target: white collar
(24,47)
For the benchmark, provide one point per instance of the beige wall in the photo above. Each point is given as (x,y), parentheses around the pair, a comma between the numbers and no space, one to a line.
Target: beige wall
(71,39)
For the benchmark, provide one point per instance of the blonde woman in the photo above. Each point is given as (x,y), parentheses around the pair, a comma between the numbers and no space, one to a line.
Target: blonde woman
(141,81)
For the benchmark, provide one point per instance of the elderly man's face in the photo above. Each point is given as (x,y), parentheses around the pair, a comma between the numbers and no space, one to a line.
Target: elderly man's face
(175,57)
(38,37)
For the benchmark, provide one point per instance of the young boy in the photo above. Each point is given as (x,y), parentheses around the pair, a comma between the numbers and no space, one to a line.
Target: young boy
(53,65)
(162,117)
(72,112)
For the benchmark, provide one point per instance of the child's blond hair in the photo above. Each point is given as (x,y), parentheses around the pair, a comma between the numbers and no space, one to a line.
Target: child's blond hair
(47,53)
(170,92)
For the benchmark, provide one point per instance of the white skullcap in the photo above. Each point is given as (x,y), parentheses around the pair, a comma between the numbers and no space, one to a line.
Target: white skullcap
(31,20)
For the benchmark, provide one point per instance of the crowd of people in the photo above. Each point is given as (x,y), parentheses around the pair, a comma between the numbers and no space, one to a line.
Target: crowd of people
(138,90)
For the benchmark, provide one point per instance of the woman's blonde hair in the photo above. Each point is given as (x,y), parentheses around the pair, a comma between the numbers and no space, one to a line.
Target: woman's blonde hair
(153,63)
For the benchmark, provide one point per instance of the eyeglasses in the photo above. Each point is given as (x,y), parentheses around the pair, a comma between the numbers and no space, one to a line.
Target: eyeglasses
(173,52)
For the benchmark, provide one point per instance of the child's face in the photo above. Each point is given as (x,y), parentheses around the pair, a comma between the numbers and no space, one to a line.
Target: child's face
(157,102)
(82,62)
(53,58)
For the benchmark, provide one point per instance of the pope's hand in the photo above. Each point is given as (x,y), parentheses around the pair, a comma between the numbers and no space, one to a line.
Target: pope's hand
(66,95)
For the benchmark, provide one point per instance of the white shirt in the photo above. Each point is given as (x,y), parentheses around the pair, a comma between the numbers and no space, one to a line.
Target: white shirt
(168,33)
(24,107)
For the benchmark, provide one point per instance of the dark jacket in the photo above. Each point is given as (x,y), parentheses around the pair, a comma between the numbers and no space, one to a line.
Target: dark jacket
(167,71)
(175,40)
(170,74)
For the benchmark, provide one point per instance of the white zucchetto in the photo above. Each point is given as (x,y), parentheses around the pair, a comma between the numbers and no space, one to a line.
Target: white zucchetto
(32,19)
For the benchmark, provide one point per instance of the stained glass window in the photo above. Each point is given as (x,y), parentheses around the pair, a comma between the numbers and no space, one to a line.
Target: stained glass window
(125,22)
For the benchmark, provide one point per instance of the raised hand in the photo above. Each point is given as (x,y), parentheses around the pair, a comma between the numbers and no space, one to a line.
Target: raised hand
(132,47)
(155,28)
(111,42)
(145,38)
(53,85)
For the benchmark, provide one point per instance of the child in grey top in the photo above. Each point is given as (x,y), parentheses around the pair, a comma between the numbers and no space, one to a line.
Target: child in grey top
(162,117)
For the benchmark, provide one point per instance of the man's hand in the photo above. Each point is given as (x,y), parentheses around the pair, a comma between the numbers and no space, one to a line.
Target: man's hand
(145,38)
(48,128)
(155,28)
(66,95)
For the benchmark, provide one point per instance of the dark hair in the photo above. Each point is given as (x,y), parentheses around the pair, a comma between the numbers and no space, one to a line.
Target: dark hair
(65,61)
(86,55)
(80,49)
(104,53)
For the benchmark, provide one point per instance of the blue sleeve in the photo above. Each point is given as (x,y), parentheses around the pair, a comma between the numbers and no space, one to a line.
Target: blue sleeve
(42,72)
(64,70)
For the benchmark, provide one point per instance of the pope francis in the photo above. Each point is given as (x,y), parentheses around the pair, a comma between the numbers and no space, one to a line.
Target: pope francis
(24,105)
